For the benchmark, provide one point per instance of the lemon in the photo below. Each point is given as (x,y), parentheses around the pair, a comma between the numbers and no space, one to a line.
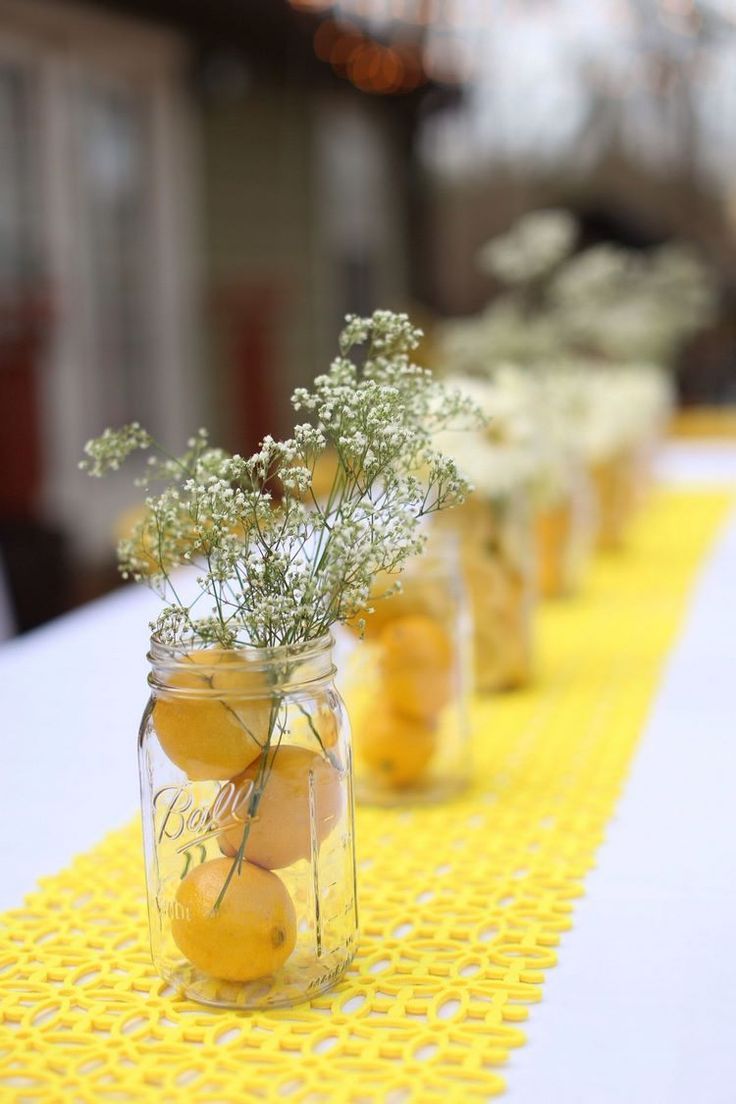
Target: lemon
(249,936)
(325,471)
(281,831)
(396,748)
(416,666)
(211,738)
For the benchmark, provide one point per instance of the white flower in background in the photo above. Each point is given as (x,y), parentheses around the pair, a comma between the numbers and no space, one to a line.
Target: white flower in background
(514,453)
(534,245)
(591,276)
(606,301)
(628,306)
(595,331)
(505,332)
(545,422)
(680,279)
(494,471)
(602,410)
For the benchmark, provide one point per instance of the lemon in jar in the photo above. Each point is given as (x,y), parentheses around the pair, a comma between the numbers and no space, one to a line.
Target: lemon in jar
(416,667)
(299,806)
(218,732)
(396,748)
(249,935)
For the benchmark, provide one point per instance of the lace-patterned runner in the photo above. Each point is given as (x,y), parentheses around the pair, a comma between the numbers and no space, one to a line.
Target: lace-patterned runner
(462,906)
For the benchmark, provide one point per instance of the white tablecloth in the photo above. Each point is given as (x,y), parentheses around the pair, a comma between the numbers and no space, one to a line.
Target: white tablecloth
(640,1008)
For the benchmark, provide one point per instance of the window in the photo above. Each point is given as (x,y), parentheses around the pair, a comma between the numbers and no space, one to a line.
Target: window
(97,214)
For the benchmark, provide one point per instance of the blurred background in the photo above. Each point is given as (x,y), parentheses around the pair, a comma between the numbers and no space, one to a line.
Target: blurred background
(193,195)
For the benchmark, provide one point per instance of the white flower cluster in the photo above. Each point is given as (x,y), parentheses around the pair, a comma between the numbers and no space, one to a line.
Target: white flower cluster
(545,423)
(275,565)
(595,411)
(505,456)
(107,452)
(604,301)
(630,307)
(594,332)
(505,332)
(531,248)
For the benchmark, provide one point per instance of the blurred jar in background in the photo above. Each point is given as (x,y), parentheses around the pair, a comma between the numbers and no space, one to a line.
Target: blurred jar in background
(408,681)
(504,462)
(614,479)
(564,530)
(654,398)
(497,552)
(627,410)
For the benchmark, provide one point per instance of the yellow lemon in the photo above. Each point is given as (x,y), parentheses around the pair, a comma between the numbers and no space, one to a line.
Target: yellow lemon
(396,748)
(318,726)
(249,936)
(207,737)
(416,666)
(280,832)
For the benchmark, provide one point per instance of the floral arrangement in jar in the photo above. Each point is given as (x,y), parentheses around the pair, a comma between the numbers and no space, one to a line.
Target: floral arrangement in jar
(612,419)
(600,328)
(603,302)
(415,659)
(244,747)
(494,528)
(532,420)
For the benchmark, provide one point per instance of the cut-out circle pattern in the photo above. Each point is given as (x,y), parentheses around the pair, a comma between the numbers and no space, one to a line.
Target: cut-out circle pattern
(463,905)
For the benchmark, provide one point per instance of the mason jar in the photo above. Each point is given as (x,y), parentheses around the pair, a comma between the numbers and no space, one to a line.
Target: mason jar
(408,682)
(564,530)
(497,549)
(615,480)
(246,788)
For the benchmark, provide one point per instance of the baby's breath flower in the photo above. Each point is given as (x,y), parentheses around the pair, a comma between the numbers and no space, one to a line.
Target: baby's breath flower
(107,452)
(282,569)
(531,248)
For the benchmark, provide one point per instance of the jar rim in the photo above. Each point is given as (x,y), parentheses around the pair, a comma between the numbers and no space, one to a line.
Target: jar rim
(315,644)
(300,663)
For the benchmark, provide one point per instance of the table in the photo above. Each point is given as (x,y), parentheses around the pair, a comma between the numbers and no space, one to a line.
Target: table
(650,1022)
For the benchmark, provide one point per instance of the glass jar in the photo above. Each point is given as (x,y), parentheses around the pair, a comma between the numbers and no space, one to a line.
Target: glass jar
(408,683)
(497,551)
(563,533)
(615,480)
(246,787)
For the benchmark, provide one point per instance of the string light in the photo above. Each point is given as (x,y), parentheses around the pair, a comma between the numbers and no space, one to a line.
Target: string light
(312,6)
(366,41)
(343,50)
(325,38)
(372,66)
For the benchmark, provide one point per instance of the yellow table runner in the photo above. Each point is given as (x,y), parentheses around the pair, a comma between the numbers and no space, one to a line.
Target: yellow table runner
(462,906)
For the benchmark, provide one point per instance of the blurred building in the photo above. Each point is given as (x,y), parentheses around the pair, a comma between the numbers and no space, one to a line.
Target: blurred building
(190,201)
(193,194)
